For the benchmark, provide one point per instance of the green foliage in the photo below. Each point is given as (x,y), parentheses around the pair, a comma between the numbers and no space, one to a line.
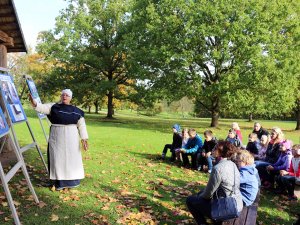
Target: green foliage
(224,53)
(88,44)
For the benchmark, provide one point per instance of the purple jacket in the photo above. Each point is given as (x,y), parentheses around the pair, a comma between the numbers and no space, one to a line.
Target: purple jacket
(283,161)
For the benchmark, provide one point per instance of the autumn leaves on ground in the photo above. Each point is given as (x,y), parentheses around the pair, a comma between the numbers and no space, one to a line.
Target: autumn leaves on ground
(125,182)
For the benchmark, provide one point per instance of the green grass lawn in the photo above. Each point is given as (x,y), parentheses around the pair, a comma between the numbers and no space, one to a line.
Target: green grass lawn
(125,182)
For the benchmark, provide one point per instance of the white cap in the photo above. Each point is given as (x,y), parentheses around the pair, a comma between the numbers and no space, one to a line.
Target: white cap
(68,92)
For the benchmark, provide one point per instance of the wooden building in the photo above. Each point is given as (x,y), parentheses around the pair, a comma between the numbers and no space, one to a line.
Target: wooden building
(11,40)
(11,35)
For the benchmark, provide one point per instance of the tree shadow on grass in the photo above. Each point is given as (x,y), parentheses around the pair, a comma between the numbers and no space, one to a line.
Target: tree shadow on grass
(272,209)
(155,206)
(157,124)
(62,207)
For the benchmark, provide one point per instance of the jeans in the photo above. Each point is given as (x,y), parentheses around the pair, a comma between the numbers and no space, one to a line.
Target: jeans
(286,183)
(199,208)
(261,168)
(203,160)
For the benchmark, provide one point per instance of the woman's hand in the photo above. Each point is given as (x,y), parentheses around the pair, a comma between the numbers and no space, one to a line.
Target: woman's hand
(270,168)
(33,102)
(283,172)
(85,144)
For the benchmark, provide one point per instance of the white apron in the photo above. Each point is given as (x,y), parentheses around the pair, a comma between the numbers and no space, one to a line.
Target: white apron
(64,153)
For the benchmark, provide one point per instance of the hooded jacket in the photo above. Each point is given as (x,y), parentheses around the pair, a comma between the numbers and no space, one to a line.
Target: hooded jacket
(249,184)
(283,161)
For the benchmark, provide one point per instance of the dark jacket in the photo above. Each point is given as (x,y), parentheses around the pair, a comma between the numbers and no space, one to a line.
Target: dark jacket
(272,153)
(261,132)
(208,146)
(177,141)
(253,147)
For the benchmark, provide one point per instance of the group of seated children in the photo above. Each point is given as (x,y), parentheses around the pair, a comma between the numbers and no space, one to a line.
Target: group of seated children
(276,160)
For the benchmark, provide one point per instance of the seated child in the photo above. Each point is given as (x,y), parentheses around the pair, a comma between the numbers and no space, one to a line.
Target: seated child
(177,142)
(288,179)
(204,156)
(185,137)
(264,141)
(253,145)
(192,147)
(282,163)
(233,138)
(249,179)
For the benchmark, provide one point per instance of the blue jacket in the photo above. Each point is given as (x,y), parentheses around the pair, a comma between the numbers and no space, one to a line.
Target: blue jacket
(284,161)
(194,144)
(248,184)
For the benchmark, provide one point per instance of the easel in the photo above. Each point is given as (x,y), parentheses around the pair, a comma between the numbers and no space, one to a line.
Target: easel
(5,178)
(12,124)
(39,115)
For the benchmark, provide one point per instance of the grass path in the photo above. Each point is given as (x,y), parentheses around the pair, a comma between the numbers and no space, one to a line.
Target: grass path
(125,183)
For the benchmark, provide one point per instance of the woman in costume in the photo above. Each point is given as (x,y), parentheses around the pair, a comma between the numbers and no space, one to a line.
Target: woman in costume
(64,155)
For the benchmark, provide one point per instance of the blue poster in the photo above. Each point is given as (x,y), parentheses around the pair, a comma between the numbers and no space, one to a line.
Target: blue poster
(11,99)
(3,125)
(35,95)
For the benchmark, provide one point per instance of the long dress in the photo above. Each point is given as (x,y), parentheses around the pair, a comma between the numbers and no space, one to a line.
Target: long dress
(64,155)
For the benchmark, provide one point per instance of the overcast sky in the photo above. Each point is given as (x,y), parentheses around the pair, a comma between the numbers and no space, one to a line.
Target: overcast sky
(36,16)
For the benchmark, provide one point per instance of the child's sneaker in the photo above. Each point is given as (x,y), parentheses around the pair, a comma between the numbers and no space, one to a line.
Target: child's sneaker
(293,198)
(199,168)
(209,171)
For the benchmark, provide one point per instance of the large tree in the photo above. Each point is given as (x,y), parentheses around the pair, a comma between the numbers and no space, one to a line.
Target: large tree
(217,51)
(88,43)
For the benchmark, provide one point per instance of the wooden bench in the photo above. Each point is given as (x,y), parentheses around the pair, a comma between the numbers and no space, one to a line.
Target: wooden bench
(248,215)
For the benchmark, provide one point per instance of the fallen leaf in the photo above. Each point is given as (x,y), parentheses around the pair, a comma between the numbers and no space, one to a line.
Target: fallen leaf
(54,217)
(42,204)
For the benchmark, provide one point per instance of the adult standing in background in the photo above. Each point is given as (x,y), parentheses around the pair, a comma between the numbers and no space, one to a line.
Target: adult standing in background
(257,129)
(235,126)
(64,155)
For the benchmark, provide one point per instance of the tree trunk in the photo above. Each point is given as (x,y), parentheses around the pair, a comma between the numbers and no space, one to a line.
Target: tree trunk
(215,112)
(214,118)
(96,104)
(89,109)
(298,114)
(110,107)
(250,117)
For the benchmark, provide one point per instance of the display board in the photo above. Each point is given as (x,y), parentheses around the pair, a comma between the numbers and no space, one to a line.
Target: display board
(3,124)
(11,99)
(34,93)
(14,113)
